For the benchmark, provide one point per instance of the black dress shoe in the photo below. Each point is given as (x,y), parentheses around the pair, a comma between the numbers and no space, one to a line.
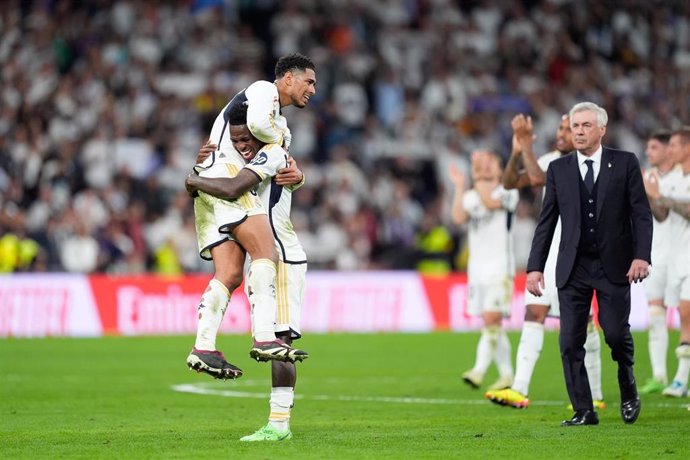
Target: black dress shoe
(582,417)
(630,409)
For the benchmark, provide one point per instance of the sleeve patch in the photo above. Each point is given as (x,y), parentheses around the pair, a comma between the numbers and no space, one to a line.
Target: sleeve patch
(260,159)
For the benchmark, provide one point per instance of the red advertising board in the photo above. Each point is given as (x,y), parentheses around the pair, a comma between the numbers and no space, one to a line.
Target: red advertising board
(33,305)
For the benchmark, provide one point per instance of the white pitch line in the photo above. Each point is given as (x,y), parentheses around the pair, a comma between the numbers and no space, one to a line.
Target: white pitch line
(203,389)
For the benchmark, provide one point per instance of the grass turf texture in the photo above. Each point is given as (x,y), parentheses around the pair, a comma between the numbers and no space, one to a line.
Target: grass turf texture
(113,398)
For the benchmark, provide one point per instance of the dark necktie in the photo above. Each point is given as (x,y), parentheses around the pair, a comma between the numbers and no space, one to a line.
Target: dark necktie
(589,177)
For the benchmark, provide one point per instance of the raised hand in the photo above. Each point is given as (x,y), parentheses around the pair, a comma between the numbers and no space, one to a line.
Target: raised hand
(458,177)
(651,183)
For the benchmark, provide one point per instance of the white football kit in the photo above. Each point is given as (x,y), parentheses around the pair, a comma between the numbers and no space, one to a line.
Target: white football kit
(491,265)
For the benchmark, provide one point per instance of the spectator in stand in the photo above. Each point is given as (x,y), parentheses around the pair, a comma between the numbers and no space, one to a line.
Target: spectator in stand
(83,87)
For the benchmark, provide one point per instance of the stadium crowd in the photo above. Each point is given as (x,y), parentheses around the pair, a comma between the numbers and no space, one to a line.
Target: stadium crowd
(103,105)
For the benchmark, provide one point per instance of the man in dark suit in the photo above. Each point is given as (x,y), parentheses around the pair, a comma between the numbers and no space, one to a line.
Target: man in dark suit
(606,240)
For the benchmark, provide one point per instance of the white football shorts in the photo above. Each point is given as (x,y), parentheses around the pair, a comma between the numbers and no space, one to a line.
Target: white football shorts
(678,288)
(656,285)
(490,297)
(549,297)
(215,218)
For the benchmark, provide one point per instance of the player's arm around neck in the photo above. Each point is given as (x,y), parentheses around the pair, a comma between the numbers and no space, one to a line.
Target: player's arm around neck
(261,113)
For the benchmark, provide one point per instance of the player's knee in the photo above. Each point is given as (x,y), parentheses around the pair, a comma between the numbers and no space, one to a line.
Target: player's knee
(536,313)
(231,280)
(265,253)
(492,320)
(684,313)
(656,311)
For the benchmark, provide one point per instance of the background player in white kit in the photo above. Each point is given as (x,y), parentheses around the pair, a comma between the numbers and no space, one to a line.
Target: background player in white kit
(294,85)
(675,204)
(488,209)
(656,284)
(524,170)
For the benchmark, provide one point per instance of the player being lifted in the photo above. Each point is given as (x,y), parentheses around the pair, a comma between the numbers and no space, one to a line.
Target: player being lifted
(523,170)
(226,229)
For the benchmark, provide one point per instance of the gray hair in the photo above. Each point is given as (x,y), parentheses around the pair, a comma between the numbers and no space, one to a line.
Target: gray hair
(602,116)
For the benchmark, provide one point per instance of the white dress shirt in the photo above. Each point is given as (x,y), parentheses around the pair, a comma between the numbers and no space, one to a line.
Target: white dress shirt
(596,163)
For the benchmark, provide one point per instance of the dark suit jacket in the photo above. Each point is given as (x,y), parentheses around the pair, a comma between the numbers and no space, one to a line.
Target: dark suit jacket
(624,219)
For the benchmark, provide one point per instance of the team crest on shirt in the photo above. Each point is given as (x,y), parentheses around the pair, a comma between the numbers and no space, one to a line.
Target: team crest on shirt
(260,159)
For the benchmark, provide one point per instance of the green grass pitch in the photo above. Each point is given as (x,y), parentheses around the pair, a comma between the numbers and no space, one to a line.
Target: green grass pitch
(361,396)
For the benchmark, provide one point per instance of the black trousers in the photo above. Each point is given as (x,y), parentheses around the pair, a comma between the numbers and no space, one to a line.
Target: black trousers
(614,312)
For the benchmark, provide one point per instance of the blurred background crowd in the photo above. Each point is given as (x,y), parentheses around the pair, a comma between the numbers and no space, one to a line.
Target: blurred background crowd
(104,103)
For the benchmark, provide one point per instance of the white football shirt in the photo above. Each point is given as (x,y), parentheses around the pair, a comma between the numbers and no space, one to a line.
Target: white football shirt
(490,236)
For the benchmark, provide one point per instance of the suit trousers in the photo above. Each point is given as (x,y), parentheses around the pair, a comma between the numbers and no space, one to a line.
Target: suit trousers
(614,313)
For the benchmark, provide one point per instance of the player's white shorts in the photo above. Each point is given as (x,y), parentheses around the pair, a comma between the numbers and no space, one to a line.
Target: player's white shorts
(678,288)
(215,218)
(490,297)
(290,281)
(549,296)
(656,284)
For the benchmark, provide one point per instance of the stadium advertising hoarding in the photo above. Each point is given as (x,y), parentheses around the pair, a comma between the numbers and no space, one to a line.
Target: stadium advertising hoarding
(33,305)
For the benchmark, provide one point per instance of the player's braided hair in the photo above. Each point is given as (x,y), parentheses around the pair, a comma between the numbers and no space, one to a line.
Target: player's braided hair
(237,115)
(294,61)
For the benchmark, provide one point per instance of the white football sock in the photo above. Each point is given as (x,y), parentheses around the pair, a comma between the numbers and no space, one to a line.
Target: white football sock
(503,355)
(529,349)
(486,349)
(212,307)
(593,361)
(658,342)
(281,402)
(683,354)
(261,288)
